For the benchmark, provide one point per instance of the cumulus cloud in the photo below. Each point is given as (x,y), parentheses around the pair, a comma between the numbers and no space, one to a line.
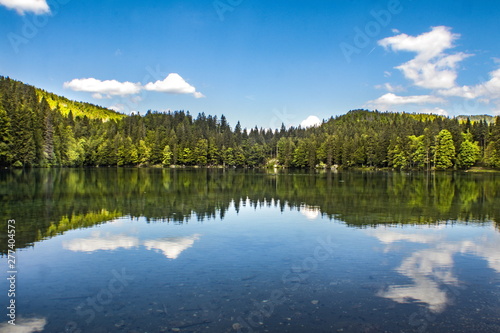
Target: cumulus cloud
(487,90)
(432,67)
(173,84)
(390,99)
(23,6)
(103,89)
(310,122)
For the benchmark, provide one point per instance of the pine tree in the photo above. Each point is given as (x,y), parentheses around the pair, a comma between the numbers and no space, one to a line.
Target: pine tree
(418,156)
(167,155)
(469,152)
(5,138)
(399,154)
(200,154)
(23,143)
(444,150)
(286,149)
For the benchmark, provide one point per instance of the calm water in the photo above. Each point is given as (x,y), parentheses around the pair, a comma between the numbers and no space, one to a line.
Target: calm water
(151,250)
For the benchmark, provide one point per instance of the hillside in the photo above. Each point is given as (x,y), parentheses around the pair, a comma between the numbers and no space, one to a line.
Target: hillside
(78,109)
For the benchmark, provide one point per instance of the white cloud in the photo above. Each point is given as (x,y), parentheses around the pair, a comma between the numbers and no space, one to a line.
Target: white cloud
(107,88)
(436,111)
(135,99)
(431,67)
(22,6)
(388,100)
(171,247)
(24,325)
(310,122)
(487,90)
(117,107)
(173,84)
(390,88)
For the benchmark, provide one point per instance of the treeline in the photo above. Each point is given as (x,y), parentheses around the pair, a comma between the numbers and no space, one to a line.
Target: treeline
(42,130)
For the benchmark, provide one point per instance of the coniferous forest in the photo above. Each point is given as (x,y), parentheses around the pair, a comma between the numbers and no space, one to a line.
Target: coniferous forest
(40,129)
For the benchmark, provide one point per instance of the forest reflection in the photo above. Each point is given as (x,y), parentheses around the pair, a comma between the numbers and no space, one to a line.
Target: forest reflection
(52,201)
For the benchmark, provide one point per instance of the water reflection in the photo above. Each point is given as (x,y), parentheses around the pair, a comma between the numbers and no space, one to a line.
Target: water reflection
(51,202)
(311,213)
(207,276)
(24,325)
(101,241)
(171,247)
(432,270)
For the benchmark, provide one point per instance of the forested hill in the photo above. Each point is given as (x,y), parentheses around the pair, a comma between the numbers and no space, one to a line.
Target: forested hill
(43,130)
(21,93)
(77,109)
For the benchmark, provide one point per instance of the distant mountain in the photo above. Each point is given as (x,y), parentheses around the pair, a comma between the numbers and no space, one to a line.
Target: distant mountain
(476,118)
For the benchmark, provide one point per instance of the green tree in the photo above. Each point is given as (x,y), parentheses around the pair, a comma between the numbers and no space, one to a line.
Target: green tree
(492,155)
(300,154)
(186,156)
(127,152)
(213,153)
(418,154)
(256,156)
(444,150)
(167,155)
(286,149)
(469,152)
(143,152)
(200,154)
(399,154)
(22,141)
(228,157)
(5,139)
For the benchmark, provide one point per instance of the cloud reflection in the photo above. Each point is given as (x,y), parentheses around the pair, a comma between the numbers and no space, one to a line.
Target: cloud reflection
(431,269)
(24,325)
(310,212)
(171,247)
(101,242)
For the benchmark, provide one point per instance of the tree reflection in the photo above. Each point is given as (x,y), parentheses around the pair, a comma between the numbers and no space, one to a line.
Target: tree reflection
(50,201)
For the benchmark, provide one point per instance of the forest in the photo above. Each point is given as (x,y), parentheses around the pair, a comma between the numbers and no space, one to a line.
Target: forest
(40,129)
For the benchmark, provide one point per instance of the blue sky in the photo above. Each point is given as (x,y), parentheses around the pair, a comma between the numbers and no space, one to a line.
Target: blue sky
(260,62)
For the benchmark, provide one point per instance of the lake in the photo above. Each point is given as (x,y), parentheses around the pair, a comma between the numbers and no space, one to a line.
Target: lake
(210,250)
